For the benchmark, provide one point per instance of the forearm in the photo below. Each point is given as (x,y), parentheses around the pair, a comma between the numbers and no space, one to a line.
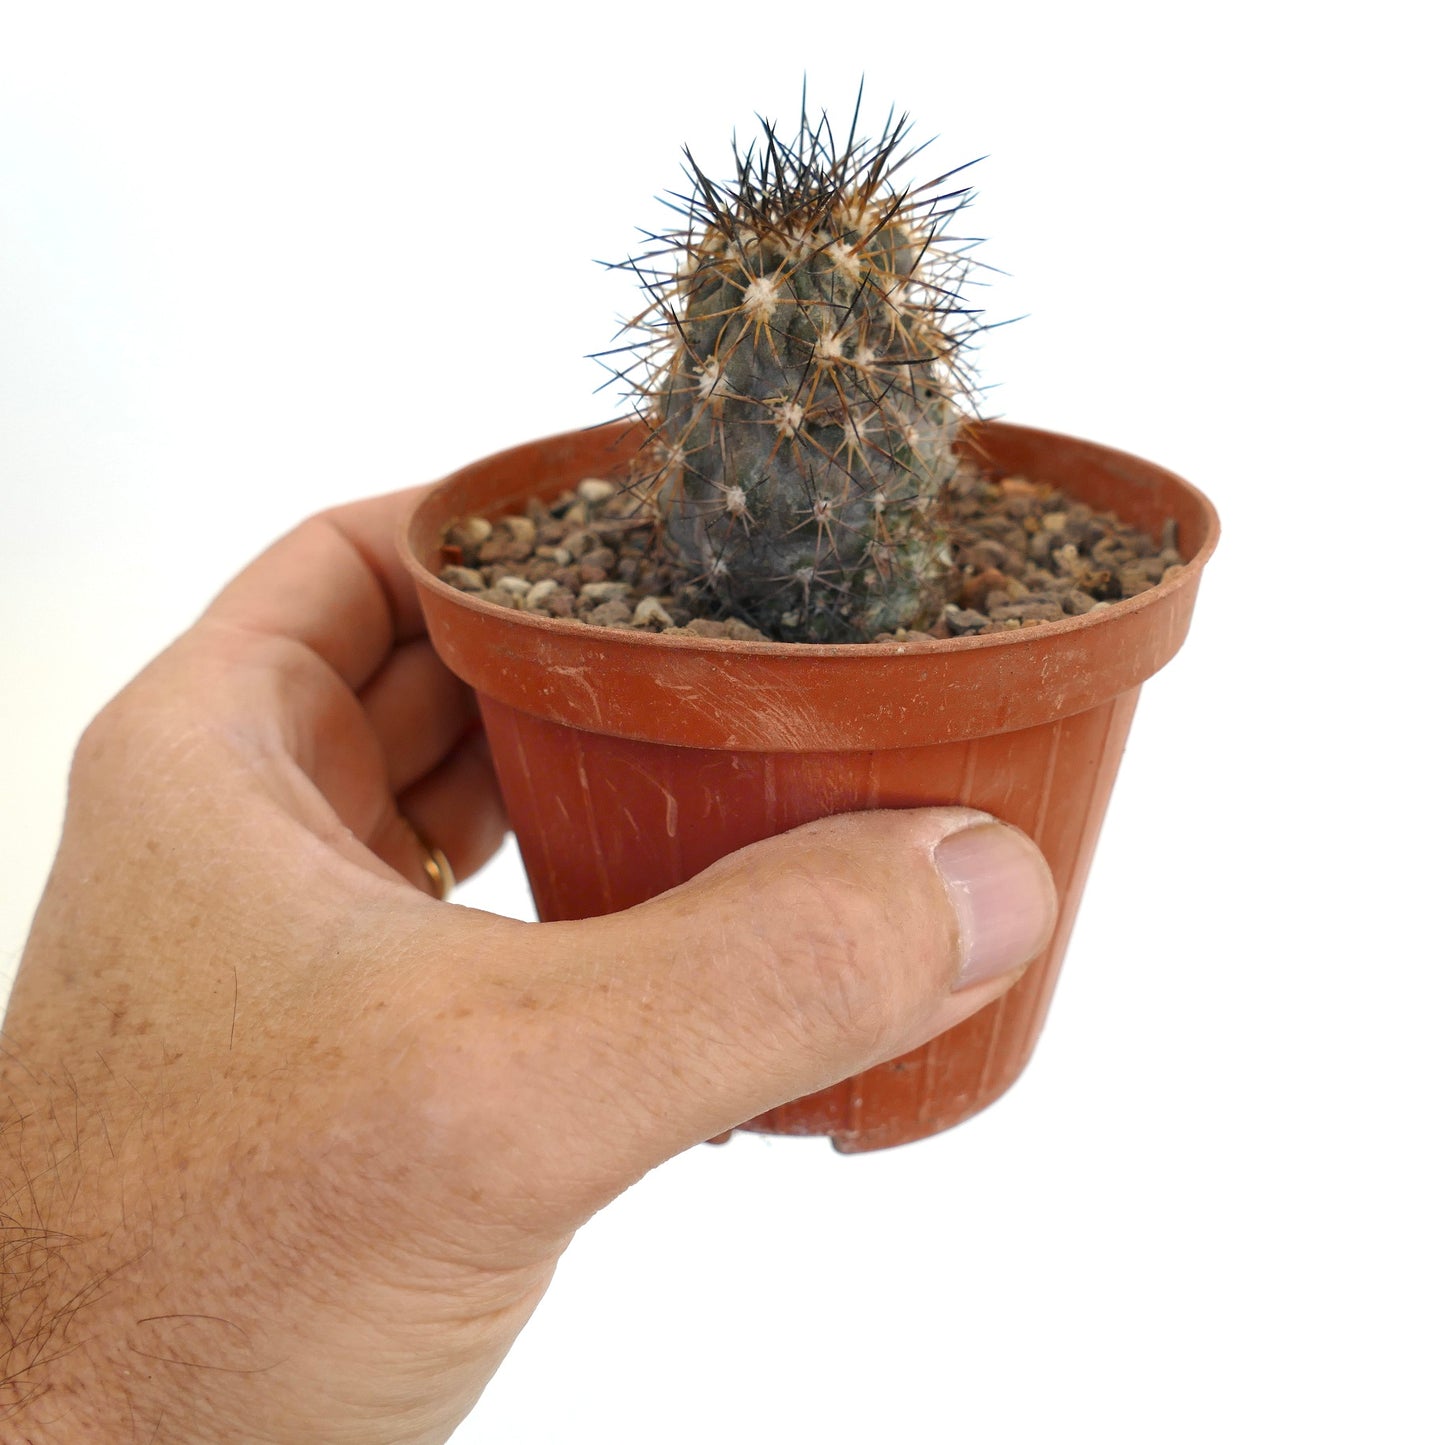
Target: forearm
(160,1288)
(95,1199)
(54,1269)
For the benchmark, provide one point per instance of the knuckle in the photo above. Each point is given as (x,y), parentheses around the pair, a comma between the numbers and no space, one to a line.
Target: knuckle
(833,960)
(105,735)
(143,722)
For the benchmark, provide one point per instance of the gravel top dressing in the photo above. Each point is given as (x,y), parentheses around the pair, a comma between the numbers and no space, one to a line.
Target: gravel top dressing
(1021,554)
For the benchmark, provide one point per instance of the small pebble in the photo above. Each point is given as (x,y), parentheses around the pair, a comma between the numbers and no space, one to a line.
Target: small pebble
(611,614)
(984,554)
(739,631)
(1111,552)
(1005,596)
(594,491)
(467,579)
(650,610)
(538,593)
(1027,612)
(601,557)
(470,532)
(976,589)
(962,620)
(522,529)
(1134,577)
(603,591)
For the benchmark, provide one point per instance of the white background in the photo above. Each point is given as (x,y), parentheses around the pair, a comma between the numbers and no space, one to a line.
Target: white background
(260,259)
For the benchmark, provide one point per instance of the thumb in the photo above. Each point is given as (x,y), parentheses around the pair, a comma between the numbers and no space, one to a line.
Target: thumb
(797,962)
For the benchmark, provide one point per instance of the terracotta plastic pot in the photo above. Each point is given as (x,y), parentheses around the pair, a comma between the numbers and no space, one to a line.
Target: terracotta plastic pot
(631,761)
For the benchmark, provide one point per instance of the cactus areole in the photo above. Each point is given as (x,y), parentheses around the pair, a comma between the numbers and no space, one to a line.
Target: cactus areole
(805,381)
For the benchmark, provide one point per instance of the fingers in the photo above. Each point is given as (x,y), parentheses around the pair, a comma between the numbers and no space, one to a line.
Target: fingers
(336,585)
(457,807)
(418,711)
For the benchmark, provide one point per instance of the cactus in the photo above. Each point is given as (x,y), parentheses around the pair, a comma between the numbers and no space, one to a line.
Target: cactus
(804,350)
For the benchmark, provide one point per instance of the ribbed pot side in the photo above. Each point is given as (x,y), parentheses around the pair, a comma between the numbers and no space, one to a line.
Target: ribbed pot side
(629,761)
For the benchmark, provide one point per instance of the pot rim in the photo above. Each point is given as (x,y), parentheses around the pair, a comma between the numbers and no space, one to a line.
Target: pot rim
(409,544)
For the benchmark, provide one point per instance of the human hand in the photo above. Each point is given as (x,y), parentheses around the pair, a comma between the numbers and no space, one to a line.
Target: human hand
(291,1147)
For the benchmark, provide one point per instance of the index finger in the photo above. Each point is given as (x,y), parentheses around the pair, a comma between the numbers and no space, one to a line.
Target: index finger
(336,585)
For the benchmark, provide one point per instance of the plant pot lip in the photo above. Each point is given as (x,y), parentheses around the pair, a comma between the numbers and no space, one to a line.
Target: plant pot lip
(1187,576)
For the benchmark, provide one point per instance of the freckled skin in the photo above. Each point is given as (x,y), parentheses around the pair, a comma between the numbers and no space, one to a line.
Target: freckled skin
(289,1149)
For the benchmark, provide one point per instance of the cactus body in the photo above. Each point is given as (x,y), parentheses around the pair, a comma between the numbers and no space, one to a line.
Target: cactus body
(805,388)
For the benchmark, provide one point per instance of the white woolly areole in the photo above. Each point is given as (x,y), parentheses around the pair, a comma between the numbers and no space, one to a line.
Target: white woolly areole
(845,261)
(789,417)
(761,297)
(735,501)
(861,424)
(710,379)
(891,286)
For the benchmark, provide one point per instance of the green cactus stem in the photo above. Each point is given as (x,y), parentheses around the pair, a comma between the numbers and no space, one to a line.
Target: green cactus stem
(804,351)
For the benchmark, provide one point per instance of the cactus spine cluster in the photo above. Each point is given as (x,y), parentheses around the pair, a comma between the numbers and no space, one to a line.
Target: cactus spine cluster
(805,383)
